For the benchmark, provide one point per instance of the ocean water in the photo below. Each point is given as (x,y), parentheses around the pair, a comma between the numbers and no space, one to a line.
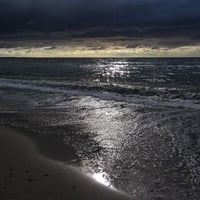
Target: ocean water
(133,124)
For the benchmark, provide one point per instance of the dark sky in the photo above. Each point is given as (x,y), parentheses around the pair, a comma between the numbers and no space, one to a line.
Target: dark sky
(129,23)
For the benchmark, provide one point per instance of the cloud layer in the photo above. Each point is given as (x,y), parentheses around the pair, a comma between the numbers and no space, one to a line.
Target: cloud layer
(128,24)
(67,14)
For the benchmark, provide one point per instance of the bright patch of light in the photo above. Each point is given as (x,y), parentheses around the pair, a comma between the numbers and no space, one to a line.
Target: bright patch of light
(77,50)
(102,178)
(114,69)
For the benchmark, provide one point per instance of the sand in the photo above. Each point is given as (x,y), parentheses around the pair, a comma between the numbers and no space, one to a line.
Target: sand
(26,174)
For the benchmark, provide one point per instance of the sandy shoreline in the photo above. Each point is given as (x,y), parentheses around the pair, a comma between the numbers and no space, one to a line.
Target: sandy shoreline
(25,174)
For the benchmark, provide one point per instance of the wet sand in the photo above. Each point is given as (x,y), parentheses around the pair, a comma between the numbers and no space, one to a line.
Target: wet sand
(26,174)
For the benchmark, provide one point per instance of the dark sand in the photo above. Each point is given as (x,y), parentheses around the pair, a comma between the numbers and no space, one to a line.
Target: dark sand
(25,174)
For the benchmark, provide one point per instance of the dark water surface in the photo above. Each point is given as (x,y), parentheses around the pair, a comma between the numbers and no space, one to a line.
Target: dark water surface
(132,123)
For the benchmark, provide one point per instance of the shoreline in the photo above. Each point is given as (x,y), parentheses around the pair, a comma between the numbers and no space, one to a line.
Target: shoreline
(26,174)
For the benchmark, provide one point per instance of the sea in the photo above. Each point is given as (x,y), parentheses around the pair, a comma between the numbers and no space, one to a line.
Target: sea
(132,124)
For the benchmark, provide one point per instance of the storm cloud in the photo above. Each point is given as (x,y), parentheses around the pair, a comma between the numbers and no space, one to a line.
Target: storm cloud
(66,14)
(130,23)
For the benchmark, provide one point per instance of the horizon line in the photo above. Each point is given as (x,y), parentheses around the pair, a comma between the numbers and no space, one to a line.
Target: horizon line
(114,57)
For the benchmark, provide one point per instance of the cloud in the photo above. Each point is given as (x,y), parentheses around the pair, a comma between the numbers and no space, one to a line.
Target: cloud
(98,25)
(85,50)
(54,15)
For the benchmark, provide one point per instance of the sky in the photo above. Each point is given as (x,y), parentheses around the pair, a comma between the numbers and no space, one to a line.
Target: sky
(99,28)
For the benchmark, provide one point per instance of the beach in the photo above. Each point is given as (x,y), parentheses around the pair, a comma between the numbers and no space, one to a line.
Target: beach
(129,123)
(26,174)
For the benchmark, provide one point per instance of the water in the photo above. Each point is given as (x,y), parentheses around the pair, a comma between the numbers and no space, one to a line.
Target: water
(134,124)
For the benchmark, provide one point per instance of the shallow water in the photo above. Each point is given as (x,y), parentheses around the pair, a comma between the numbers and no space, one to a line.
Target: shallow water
(133,123)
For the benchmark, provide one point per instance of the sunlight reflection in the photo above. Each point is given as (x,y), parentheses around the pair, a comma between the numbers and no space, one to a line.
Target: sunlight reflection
(102,178)
(104,121)
(114,69)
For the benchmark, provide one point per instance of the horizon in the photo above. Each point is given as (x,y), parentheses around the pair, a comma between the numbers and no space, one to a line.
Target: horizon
(156,57)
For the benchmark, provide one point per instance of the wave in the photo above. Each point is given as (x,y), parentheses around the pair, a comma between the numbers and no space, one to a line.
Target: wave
(56,86)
